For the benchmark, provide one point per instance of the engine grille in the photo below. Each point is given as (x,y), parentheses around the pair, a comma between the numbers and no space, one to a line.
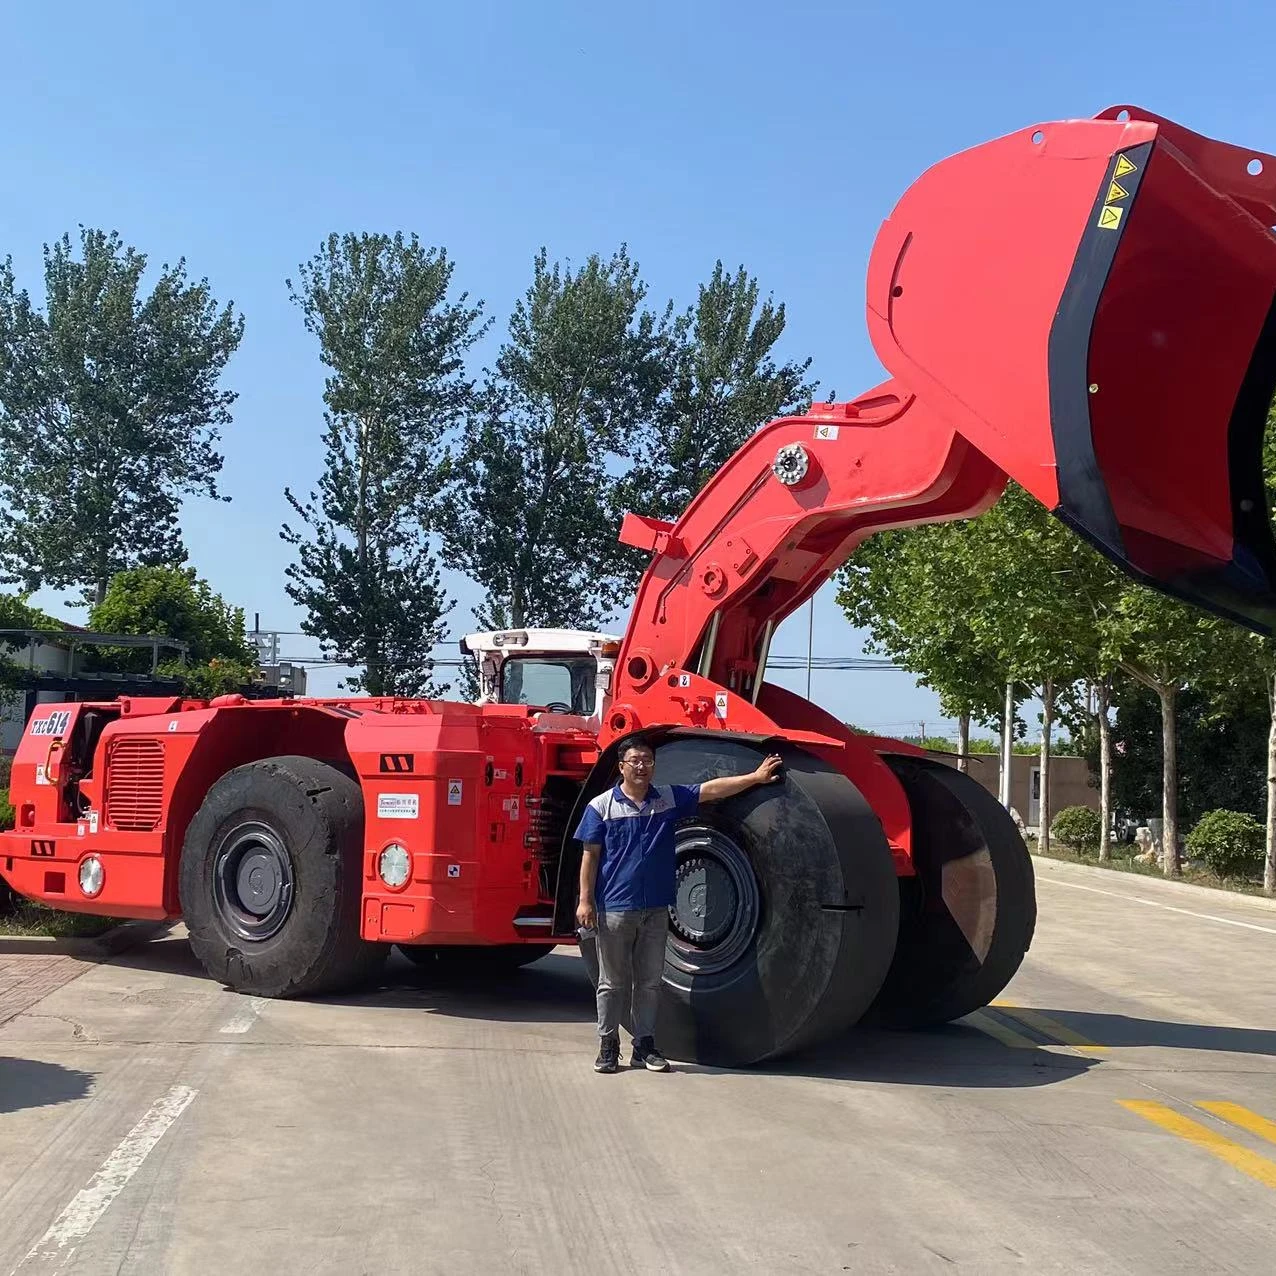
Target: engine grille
(135,784)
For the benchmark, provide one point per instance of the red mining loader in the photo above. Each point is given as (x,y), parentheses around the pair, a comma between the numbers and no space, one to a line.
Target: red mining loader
(1085,307)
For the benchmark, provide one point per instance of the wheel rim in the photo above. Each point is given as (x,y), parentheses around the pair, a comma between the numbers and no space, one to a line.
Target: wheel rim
(253,882)
(716,902)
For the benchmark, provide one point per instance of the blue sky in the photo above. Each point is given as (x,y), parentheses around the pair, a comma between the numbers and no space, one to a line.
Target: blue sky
(239,135)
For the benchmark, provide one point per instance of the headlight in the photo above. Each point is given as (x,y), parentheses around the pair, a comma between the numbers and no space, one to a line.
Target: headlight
(395,865)
(92,875)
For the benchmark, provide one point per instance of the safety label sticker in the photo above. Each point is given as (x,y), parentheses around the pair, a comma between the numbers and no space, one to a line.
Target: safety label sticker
(454,793)
(828,432)
(454,870)
(1124,166)
(92,821)
(684,680)
(1110,216)
(720,704)
(398,806)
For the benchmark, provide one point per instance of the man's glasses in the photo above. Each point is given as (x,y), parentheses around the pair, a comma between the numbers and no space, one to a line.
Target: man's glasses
(639,764)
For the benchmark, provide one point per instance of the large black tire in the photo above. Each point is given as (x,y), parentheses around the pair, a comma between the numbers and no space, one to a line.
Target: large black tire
(270,881)
(967,918)
(474,959)
(803,957)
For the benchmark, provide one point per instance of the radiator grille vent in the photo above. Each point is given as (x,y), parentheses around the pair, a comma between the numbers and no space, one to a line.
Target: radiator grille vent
(135,784)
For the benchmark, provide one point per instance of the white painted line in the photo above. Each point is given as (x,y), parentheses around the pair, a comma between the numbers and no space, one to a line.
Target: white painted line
(1151,903)
(246,1016)
(92,1201)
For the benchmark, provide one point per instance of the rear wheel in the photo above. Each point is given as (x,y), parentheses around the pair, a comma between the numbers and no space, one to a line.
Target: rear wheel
(461,959)
(967,918)
(785,913)
(269,880)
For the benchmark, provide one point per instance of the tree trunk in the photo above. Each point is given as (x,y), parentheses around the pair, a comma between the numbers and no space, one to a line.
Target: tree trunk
(1007,738)
(1269,865)
(373,682)
(518,605)
(1104,690)
(963,741)
(1043,806)
(100,592)
(1169,784)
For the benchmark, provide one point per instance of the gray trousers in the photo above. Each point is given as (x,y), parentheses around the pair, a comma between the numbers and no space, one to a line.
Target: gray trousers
(631,961)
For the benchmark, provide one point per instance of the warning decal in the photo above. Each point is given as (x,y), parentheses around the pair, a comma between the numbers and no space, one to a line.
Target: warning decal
(1110,217)
(826,432)
(398,806)
(1124,166)
(1117,191)
(454,793)
(720,704)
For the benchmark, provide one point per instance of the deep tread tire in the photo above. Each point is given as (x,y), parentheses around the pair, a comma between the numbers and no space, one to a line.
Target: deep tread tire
(967,919)
(465,959)
(827,920)
(317,813)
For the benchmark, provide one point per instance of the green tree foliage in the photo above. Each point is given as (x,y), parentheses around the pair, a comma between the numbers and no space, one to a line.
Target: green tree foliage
(723,382)
(1230,843)
(530,516)
(1168,647)
(175,603)
(110,413)
(394,343)
(1078,828)
(914,591)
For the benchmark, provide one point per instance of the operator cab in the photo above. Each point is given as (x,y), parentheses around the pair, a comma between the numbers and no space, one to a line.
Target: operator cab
(562,671)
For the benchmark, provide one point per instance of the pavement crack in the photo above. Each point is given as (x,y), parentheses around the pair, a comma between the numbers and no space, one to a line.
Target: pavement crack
(78,1031)
(500,1214)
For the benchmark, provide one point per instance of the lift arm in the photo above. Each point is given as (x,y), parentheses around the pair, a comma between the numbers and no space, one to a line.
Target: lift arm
(1085,307)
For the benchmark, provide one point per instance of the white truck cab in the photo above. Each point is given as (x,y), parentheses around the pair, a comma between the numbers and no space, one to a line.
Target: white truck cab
(564,671)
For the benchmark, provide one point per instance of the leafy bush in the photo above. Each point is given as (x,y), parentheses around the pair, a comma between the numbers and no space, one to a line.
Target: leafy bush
(6,810)
(1078,828)
(1230,842)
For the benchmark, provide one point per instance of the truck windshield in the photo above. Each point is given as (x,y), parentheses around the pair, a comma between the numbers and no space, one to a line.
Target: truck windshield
(564,683)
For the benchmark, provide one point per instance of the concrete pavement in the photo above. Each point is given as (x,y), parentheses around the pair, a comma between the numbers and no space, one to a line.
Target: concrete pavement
(1108,1117)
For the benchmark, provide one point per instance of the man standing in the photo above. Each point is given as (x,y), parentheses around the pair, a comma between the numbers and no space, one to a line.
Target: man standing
(627,886)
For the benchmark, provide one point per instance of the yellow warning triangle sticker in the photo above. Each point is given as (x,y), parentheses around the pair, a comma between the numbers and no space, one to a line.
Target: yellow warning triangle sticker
(1110,218)
(1116,191)
(1124,166)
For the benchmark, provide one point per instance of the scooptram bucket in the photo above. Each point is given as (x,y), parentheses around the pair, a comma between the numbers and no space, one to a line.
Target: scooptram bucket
(1147,252)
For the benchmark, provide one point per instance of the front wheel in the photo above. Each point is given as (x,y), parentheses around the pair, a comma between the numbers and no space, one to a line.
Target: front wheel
(269,880)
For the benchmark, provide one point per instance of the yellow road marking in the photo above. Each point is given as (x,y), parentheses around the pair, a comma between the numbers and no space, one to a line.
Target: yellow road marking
(1047,1027)
(995,1028)
(1240,1158)
(1243,1117)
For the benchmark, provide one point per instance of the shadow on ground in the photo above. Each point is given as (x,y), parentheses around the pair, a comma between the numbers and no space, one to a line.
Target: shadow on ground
(1123,1030)
(556,989)
(28,1083)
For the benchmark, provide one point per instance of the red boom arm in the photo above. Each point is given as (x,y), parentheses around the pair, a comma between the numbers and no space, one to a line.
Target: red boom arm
(1086,307)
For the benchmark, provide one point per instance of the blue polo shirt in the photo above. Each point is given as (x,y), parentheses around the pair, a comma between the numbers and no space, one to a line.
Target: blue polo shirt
(636,868)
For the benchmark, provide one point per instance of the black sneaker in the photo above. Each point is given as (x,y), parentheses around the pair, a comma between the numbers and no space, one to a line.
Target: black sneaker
(608,1055)
(647,1056)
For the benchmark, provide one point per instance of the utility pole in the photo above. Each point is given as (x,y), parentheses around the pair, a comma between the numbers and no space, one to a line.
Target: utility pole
(810,642)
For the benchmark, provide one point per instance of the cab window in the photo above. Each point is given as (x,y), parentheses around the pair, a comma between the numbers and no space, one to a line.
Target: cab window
(564,683)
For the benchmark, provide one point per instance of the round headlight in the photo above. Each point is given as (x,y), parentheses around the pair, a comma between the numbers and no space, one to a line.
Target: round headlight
(92,875)
(395,865)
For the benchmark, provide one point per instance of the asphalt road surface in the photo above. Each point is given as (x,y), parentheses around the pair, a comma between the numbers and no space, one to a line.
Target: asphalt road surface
(1117,1113)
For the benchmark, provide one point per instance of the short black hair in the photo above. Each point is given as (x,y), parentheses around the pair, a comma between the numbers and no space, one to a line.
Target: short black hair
(633,742)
